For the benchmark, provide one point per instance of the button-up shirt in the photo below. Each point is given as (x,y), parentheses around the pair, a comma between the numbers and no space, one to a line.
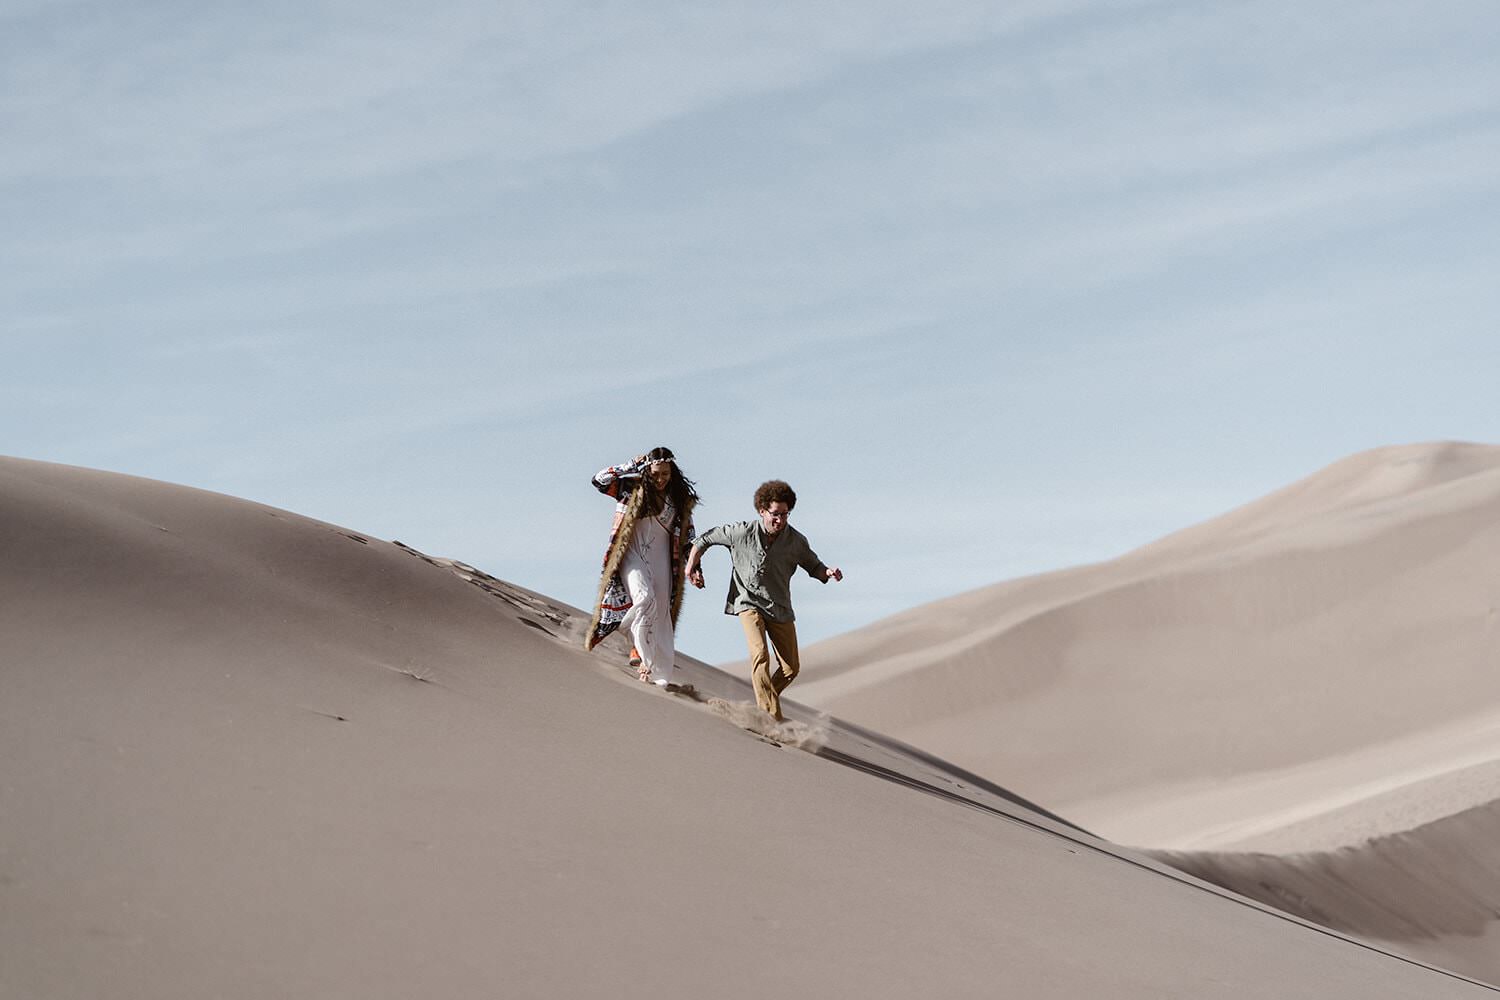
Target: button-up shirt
(761,577)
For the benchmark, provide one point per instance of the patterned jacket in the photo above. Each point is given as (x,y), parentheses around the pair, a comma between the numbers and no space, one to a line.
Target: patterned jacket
(622,482)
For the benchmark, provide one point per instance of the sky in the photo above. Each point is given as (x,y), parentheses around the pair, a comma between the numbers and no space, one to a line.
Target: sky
(999,289)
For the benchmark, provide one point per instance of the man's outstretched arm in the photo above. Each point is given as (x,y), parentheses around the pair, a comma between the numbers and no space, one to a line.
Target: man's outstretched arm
(815,568)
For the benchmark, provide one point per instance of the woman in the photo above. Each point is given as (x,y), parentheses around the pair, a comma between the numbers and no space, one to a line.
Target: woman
(642,584)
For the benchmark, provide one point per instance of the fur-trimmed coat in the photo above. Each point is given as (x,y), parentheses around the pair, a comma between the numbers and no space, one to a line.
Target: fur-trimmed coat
(623,482)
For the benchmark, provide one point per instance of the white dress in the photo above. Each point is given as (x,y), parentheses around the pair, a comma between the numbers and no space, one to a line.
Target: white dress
(647,572)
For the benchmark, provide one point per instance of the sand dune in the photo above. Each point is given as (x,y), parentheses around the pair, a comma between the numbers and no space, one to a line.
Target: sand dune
(247,754)
(1242,648)
(1435,882)
(1301,675)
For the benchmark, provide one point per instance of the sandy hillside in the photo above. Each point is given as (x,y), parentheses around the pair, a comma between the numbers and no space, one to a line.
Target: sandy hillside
(1312,674)
(246,754)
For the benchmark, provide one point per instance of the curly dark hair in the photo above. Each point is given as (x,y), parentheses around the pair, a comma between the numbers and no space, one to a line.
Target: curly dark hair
(774,491)
(680,489)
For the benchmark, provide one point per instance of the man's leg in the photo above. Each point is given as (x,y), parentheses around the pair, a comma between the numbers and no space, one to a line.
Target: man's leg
(784,637)
(760,662)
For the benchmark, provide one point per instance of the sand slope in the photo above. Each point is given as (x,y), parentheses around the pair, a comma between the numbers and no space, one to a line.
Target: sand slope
(246,754)
(1311,671)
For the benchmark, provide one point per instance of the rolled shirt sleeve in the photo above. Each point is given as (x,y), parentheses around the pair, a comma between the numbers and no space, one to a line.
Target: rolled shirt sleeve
(715,536)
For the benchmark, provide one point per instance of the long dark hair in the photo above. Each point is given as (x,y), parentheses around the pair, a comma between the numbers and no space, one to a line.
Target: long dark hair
(680,489)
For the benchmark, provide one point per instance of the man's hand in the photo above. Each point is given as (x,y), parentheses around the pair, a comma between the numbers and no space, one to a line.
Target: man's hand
(691,570)
(832,573)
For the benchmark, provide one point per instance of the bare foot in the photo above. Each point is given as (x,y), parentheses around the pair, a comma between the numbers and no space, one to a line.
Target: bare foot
(643,673)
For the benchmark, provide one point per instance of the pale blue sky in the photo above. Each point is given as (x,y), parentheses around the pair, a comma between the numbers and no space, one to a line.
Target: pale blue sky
(997,292)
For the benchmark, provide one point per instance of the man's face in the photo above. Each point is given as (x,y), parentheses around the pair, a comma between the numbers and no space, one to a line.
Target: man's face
(773,518)
(661,474)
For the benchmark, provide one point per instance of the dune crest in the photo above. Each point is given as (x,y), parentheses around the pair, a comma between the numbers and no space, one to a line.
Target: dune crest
(1383,481)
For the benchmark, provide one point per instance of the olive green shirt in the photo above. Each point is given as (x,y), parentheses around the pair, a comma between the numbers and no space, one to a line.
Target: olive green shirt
(761,576)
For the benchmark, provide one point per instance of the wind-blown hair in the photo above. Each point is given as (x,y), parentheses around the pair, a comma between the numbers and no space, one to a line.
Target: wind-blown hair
(774,491)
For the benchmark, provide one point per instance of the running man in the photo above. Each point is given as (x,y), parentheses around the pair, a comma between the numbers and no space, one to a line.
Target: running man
(764,555)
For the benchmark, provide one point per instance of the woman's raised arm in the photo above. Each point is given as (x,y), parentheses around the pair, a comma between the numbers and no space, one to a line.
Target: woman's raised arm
(610,479)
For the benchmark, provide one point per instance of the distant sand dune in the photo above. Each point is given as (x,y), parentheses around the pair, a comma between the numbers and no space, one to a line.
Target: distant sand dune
(1306,673)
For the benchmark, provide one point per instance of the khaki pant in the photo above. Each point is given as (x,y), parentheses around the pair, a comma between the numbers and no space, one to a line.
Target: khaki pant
(768,686)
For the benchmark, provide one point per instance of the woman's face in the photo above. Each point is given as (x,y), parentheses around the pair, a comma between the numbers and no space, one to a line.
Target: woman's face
(660,474)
